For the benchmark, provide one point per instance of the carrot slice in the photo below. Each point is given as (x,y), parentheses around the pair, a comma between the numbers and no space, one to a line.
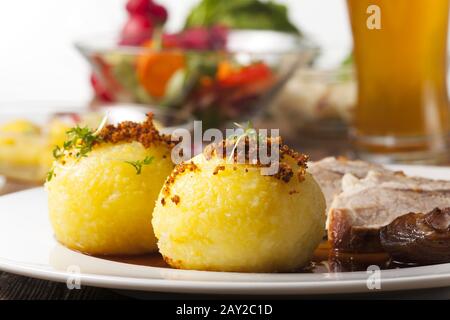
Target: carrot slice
(155,69)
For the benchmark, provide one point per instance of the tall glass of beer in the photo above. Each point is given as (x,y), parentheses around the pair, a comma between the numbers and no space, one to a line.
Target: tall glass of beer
(400,50)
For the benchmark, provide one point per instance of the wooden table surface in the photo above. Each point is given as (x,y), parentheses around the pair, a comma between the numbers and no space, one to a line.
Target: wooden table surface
(19,287)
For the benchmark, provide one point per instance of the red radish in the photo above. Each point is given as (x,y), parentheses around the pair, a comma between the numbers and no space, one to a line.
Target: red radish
(140,7)
(198,38)
(218,35)
(100,90)
(147,8)
(171,40)
(158,13)
(137,29)
(195,38)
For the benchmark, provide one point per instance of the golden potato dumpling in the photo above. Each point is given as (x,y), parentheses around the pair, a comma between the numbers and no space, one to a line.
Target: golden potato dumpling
(216,215)
(102,204)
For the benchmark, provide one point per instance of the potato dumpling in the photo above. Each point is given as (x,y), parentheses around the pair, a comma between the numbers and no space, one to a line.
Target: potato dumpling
(26,148)
(102,203)
(214,214)
(21,148)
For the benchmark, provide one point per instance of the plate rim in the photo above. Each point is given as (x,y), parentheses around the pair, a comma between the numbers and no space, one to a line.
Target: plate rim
(223,287)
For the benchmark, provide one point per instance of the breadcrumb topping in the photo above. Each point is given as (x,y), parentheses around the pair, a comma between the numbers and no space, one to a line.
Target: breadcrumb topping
(179,169)
(129,131)
(217,169)
(175,199)
(285,171)
(226,148)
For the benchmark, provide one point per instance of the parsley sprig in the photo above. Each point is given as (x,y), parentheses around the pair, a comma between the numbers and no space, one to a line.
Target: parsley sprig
(82,139)
(249,132)
(79,139)
(138,164)
(50,174)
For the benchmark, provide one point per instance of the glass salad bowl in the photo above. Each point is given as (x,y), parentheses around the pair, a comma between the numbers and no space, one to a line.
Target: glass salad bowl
(234,83)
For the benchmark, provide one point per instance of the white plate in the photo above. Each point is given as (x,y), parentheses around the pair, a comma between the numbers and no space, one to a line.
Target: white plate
(27,247)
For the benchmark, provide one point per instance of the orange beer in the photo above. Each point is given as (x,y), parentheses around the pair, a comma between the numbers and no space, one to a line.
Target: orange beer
(402,112)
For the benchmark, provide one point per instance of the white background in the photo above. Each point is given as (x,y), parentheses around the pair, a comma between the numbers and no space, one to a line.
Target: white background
(38,61)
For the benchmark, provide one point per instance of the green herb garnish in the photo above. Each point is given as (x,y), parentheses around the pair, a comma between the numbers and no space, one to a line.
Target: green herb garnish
(58,152)
(80,139)
(249,132)
(50,174)
(138,164)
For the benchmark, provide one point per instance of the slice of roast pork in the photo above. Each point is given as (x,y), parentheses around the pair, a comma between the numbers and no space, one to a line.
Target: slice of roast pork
(420,238)
(329,172)
(356,215)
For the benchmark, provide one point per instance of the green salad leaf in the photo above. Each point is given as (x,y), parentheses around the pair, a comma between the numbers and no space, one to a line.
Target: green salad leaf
(138,164)
(241,14)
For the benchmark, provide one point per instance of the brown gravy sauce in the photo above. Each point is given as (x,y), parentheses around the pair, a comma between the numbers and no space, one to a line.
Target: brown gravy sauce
(324,260)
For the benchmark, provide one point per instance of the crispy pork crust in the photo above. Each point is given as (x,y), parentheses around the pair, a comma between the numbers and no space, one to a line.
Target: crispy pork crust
(346,237)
